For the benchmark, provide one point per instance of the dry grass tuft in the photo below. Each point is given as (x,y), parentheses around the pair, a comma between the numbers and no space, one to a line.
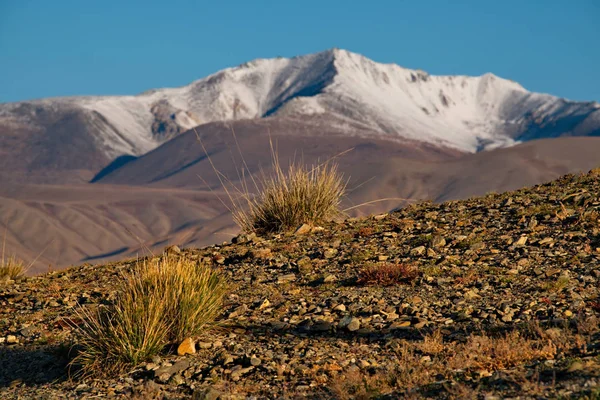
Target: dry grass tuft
(161,301)
(387,274)
(283,200)
(288,199)
(11,268)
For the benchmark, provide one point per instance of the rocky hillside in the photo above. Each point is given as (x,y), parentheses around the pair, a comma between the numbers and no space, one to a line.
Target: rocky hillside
(491,297)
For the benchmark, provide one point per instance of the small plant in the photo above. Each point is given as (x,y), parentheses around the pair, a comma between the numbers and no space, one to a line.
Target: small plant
(558,285)
(283,200)
(289,199)
(387,274)
(11,268)
(160,301)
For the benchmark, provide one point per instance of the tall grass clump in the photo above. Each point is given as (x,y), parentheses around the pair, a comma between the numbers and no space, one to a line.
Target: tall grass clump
(11,268)
(288,199)
(283,199)
(161,301)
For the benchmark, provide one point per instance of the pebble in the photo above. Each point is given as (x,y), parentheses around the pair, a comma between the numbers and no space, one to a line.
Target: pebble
(303,229)
(187,346)
(418,251)
(354,325)
(286,278)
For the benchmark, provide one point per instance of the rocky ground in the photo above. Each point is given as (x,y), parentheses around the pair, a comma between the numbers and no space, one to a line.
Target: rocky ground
(493,297)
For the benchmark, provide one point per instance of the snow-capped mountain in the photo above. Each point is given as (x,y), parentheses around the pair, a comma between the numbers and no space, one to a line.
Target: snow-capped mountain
(461,112)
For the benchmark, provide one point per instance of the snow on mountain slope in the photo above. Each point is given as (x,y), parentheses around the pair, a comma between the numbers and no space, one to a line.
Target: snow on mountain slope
(466,113)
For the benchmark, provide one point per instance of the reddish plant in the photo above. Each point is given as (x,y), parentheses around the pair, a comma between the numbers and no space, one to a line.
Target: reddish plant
(387,274)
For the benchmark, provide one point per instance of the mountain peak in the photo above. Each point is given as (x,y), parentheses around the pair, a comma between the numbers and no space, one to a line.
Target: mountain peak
(384,100)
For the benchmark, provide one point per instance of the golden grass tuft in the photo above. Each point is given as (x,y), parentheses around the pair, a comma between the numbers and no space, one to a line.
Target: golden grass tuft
(161,301)
(288,199)
(11,268)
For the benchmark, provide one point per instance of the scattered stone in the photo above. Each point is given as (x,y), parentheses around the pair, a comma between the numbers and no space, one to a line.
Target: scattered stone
(241,310)
(264,304)
(286,278)
(173,250)
(303,229)
(340,308)
(187,346)
(418,251)
(255,361)
(330,253)
(207,394)
(354,325)
(575,366)
(438,242)
(521,241)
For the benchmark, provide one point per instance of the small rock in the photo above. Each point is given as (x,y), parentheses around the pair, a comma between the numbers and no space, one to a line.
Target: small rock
(303,229)
(174,250)
(382,258)
(345,321)
(400,324)
(521,242)
(330,253)
(207,394)
(262,253)
(238,311)
(576,366)
(340,307)
(11,339)
(163,374)
(187,346)
(204,345)
(437,242)
(418,251)
(255,361)
(286,278)
(151,367)
(568,313)
(265,303)
(354,325)
(552,271)
(329,278)
(477,246)
(177,380)
(219,259)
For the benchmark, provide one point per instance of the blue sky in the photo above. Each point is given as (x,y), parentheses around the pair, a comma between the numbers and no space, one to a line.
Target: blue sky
(78,47)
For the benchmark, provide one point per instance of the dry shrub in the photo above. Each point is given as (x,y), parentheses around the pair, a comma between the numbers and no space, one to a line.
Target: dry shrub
(11,268)
(432,344)
(283,200)
(387,274)
(357,385)
(365,231)
(490,354)
(161,301)
(288,199)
